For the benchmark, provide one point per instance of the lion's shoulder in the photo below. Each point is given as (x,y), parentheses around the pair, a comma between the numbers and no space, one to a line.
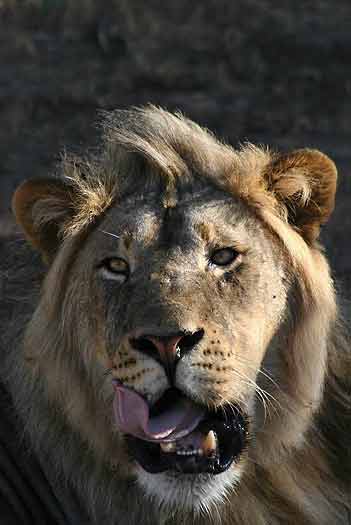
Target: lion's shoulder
(28,496)
(21,274)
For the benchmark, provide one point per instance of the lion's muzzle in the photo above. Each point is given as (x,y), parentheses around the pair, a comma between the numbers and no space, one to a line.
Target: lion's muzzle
(179,434)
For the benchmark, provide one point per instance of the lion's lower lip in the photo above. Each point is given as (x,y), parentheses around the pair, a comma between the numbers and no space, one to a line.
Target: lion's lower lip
(230,428)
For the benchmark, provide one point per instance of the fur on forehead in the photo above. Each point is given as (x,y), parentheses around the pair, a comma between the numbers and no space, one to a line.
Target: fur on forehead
(153,143)
(149,145)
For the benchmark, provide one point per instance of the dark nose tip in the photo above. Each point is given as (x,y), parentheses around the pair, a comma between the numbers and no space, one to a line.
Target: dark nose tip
(167,349)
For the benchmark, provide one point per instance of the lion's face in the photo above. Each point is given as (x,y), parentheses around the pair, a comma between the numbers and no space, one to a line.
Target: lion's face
(187,304)
(188,298)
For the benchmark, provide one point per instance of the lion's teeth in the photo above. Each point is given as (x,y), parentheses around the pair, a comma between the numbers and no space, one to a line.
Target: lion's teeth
(168,447)
(209,444)
(183,452)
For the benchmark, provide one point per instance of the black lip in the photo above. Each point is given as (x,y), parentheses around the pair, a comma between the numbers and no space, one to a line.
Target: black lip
(231,428)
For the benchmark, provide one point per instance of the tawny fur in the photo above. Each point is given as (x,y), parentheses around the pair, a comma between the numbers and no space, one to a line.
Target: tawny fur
(298,471)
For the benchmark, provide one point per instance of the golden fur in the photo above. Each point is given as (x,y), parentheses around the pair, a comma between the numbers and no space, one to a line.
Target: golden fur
(297,469)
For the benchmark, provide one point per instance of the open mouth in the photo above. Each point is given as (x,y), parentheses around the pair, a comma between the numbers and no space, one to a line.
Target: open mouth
(179,435)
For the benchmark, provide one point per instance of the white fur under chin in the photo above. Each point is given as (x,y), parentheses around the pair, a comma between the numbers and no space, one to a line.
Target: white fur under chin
(176,492)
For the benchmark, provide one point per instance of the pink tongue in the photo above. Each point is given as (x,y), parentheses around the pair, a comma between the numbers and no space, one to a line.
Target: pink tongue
(133,417)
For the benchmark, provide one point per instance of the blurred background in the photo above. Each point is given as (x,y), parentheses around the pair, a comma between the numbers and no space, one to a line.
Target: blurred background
(276,72)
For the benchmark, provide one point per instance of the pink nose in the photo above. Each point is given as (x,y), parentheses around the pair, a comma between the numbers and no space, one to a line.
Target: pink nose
(167,349)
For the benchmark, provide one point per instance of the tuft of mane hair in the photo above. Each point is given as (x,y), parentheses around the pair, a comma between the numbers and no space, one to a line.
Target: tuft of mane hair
(149,142)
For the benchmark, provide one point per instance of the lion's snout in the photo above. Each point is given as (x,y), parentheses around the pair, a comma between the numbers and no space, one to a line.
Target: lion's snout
(167,349)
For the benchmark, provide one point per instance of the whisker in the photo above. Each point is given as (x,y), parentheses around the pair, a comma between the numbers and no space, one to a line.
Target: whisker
(267,399)
(261,370)
(109,233)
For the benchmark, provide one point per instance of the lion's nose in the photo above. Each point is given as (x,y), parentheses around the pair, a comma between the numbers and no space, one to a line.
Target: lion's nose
(168,349)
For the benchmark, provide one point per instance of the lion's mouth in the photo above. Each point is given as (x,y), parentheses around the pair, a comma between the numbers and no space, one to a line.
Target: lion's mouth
(178,434)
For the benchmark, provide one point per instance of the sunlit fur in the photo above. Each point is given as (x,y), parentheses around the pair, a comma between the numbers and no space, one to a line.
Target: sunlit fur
(296,470)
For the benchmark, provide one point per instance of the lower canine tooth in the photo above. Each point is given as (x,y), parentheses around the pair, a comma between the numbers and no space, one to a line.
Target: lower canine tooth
(168,447)
(209,444)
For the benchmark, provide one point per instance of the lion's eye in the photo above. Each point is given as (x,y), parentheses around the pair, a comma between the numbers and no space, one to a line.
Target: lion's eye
(223,256)
(115,268)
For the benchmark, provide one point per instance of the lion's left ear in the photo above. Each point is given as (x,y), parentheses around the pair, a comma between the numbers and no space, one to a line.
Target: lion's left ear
(42,207)
(305,182)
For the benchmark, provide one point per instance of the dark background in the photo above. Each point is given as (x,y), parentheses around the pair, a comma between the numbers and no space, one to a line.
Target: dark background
(277,72)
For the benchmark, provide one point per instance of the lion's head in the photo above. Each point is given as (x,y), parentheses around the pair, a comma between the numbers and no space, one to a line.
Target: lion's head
(183,321)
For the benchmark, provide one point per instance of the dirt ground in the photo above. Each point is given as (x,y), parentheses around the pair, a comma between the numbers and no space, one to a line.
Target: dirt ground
(268,71)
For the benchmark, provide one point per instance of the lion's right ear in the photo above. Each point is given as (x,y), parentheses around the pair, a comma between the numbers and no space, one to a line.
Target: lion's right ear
(42,207)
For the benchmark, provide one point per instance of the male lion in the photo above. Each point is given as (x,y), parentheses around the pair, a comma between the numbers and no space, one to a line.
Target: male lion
(179,357)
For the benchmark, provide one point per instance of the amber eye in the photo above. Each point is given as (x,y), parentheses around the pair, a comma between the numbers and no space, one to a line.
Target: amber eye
(223,256)
(115,268)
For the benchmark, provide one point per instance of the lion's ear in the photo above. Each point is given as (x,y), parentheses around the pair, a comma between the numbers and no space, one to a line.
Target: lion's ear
(305,182)
(42,207)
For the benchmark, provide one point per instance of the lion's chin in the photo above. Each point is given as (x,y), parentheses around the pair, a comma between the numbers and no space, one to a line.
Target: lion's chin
(177,492)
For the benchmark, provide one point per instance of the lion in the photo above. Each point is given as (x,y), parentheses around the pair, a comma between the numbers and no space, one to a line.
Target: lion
(173,347)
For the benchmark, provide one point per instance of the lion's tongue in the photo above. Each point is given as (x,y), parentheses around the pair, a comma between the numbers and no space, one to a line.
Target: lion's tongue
(133,417)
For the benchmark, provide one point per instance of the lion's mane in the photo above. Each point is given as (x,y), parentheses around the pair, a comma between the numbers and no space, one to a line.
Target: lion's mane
(303,475)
